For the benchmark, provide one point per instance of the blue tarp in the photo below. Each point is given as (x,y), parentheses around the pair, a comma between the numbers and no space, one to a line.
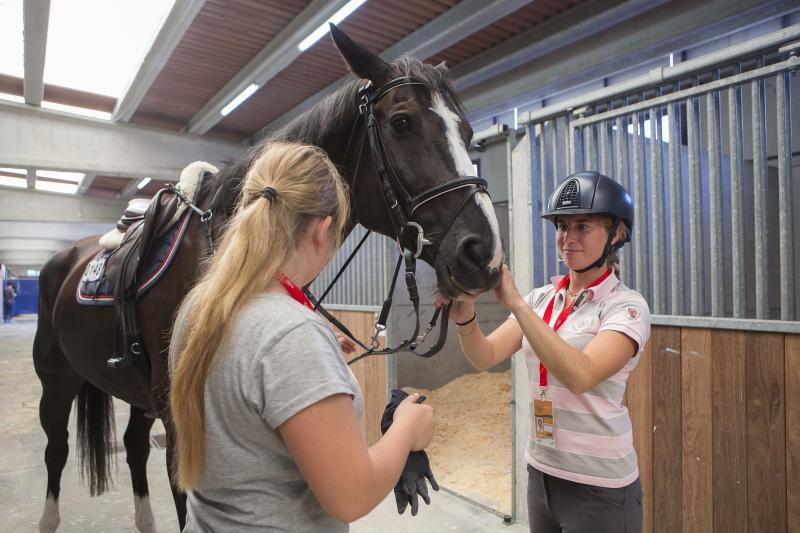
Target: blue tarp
(27,295)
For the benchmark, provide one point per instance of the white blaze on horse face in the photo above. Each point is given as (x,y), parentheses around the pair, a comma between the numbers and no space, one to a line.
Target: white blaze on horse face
(464,167)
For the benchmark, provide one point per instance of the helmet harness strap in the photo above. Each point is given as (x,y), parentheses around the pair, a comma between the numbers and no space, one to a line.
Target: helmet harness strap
(610,247)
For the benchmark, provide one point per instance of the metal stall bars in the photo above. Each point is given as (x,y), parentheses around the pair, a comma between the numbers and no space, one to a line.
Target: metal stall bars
(362,286)
(717,239)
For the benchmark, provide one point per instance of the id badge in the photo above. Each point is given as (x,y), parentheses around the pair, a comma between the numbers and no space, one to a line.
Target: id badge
(544,423)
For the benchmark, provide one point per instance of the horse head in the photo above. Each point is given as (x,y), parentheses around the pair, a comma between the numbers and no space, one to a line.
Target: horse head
(421,188)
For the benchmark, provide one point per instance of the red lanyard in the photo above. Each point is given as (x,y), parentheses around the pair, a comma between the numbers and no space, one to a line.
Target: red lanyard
(294,291)
(562,317)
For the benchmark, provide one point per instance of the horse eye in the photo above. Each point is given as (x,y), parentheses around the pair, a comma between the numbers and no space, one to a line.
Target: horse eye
(401,123)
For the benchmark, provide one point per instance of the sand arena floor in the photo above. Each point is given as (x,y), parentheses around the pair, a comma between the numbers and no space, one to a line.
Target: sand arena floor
(471,449)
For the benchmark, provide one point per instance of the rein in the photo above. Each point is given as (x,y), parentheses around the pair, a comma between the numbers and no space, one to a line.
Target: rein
(400,215)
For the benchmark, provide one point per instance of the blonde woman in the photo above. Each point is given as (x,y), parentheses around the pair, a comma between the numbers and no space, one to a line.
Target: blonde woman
(582,336)
(265,409)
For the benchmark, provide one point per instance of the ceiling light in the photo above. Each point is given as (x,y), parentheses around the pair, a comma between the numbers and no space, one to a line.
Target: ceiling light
(244,95)
(337,17)
(142,184)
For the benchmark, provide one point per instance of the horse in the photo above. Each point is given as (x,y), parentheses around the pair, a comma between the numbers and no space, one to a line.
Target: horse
(399,136)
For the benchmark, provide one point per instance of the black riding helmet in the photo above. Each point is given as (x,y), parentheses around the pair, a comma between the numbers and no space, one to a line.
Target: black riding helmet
(590,192)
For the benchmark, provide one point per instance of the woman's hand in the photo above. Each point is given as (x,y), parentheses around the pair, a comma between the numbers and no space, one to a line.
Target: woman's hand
(506,291)
(345,343)
(416,418)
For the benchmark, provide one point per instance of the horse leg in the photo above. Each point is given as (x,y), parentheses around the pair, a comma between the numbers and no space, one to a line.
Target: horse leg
(177,495)
(54,408)
(60,385)
(137,446)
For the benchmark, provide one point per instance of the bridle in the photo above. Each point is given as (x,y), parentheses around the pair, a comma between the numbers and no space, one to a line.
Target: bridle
(401,206)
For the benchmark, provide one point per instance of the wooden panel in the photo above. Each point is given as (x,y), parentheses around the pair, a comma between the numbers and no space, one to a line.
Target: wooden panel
(370,374)
(224,36)
(11,85)
(521,20)
(729,431)
(640,404)
(793,433)
(665,345)
(766,443)
(697,515)
(321,64)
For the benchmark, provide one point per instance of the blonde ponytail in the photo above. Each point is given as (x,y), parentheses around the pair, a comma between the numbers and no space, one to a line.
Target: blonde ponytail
(286,186)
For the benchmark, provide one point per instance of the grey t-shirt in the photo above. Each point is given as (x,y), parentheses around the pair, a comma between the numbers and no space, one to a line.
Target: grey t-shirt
(277,359)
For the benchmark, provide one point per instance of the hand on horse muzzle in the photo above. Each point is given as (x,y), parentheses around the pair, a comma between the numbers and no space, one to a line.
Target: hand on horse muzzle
(412,483)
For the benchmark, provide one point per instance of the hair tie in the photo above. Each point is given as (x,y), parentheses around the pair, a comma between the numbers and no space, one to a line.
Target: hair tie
(269,193)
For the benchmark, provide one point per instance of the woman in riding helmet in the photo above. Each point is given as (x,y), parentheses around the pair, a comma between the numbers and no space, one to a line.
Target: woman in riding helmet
(582,335)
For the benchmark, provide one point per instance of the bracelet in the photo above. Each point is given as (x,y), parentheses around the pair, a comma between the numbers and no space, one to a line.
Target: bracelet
(467,322)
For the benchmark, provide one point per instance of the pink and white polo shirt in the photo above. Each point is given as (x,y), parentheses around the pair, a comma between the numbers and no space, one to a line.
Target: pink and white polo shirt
(593,431)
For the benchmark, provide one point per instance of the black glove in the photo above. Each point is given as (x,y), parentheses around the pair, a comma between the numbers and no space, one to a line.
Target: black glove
(417,467)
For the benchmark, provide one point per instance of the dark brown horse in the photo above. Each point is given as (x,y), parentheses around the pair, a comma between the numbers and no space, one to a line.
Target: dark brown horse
(421,137)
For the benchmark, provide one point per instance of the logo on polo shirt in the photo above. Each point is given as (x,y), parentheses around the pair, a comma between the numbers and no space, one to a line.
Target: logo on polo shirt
(633,312)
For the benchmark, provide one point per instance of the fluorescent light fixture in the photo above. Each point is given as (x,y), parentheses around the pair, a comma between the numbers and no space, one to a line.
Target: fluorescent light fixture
(74,177)
(337,17)
(8,181)
(77,110)
(244,95)
(57,186)
(142,184)
(12,97)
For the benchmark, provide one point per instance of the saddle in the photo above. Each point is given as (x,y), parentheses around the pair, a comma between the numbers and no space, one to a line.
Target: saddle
(139,228)
(141,225)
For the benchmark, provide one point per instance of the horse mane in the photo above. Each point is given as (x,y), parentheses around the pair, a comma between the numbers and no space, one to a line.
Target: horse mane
(318,125)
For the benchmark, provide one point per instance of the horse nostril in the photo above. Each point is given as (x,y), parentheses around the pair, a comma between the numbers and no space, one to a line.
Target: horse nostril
(474,251)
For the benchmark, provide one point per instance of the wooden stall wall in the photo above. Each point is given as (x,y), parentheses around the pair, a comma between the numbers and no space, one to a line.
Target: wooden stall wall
(370,372)
(716,418)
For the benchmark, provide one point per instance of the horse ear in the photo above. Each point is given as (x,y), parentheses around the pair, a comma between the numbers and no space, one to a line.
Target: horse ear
(361,61)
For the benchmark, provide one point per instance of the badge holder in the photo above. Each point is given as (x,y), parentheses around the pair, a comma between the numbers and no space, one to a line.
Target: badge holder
(544,421)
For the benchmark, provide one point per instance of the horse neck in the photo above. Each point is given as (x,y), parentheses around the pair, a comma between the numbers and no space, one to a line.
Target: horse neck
(328,125)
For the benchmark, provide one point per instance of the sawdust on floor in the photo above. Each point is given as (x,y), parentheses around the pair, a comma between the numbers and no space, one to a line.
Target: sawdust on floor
(471,449)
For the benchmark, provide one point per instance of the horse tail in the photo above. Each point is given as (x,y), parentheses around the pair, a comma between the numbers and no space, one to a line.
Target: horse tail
(95,434)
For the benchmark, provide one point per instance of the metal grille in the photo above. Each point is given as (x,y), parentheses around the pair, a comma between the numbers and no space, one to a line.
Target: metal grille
(569,195)
(708,162)
(364,282)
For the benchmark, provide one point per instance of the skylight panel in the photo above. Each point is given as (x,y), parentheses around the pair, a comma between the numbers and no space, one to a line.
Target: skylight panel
(74,177)
(8,181)
(77,110)
(97,45)
(11,38)
(57,186)
(14,177)
(12,97)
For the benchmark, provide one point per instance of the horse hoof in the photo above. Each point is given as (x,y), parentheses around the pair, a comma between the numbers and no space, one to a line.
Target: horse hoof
(144,519)
(50,519)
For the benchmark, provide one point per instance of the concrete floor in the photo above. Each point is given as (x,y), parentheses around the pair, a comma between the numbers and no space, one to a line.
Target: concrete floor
(23,474)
